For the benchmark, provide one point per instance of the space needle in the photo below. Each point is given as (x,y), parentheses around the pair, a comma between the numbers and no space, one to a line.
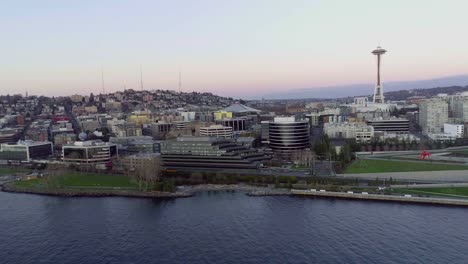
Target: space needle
(378,92)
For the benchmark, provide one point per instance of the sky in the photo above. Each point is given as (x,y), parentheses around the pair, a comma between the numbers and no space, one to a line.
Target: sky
(235,48)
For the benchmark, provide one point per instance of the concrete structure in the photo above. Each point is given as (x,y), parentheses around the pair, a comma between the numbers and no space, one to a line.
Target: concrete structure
(378,92)
(216,131)
(209,153)
(454,130)
(433,114)
(89,152)
(360,132)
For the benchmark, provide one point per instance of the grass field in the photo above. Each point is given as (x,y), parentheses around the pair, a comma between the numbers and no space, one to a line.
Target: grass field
(6,171)
(455,192)
(83,180)
(376,166)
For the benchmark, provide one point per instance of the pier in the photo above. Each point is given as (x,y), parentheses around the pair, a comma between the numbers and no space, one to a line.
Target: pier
(382,197)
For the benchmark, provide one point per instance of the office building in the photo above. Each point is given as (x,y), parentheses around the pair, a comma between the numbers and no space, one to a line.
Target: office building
(92,151)
(359,132)
(237,124)
(134,144)
(393,125)
(25,151)
(216,131)
(209,153)
(286,135)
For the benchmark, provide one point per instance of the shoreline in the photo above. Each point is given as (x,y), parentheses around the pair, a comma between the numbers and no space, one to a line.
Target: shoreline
(190,190)
(93,193)
(381,198)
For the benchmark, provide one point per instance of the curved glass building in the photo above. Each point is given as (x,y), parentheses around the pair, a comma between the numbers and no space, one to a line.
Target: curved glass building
(285,134)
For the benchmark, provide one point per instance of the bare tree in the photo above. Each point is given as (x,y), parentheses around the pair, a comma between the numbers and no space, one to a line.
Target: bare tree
(145,170)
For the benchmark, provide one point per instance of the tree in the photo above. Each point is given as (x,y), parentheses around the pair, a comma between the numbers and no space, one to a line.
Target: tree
(146,171)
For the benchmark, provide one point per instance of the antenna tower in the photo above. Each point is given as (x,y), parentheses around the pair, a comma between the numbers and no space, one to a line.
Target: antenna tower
(102,80)
(180,82)
(141,77)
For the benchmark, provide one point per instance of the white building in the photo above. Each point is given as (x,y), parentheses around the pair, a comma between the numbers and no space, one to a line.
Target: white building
(188,116)
(433,114)
(360,132)
(216,131)
(454,130)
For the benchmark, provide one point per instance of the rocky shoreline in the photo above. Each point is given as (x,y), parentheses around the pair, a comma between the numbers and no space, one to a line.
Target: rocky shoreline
(182,191)
(94,193)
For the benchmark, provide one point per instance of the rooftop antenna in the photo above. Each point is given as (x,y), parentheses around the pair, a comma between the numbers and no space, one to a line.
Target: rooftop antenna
(180,82)
(141,77)
(102,80)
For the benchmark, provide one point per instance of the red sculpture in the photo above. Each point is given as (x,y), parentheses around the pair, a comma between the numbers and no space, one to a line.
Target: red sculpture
(424,154)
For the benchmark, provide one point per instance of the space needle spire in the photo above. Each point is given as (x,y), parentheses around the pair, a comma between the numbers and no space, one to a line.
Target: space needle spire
(378,92)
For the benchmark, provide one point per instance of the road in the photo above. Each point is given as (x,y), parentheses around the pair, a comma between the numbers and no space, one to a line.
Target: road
(452,176)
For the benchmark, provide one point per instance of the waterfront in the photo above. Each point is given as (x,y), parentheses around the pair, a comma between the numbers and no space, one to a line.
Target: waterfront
(227,227)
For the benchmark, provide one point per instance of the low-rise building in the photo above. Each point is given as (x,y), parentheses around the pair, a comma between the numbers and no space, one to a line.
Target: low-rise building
(91,151)
(209,153)
(216,131)
(393,125)
(25,151)
(360,132)
(135,144)
(454,130)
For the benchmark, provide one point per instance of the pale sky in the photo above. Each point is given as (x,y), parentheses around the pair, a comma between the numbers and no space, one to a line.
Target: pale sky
(232,48)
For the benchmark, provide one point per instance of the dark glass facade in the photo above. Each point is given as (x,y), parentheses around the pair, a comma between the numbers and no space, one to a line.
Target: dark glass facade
(289,136)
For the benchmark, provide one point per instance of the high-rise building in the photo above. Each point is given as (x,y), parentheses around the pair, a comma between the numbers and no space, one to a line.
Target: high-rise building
(433,114)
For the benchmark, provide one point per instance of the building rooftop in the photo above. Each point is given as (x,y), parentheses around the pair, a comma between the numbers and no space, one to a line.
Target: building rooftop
(240,108)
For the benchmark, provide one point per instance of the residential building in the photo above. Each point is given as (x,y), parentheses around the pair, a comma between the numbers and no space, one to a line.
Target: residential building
(433,114)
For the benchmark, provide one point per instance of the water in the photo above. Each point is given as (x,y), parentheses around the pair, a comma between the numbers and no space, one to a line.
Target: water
(227,227)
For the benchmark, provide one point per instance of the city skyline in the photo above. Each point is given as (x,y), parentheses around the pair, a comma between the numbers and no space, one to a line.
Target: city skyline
(240,49)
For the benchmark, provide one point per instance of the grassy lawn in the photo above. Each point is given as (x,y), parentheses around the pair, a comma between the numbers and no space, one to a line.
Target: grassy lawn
(463,152)
(376,166)
(72,180)
(92,179)
(299,167)
(7,171)
(28,183)
(455,192)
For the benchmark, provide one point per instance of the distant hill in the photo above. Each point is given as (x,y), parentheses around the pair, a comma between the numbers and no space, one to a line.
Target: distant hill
(367,89)
(403,94)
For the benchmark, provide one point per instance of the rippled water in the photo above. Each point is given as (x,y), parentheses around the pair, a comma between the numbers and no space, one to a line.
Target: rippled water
(228,227)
